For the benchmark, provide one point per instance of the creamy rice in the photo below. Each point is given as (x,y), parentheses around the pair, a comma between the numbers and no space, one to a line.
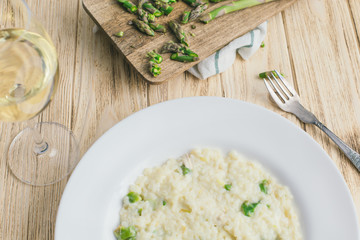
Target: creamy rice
(205,195)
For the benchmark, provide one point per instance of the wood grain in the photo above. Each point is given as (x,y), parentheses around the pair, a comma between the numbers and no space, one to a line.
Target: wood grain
(112,18)
(314,42)
(327,73)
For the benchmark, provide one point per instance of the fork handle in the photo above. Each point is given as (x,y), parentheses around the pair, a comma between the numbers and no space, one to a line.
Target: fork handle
(350,153)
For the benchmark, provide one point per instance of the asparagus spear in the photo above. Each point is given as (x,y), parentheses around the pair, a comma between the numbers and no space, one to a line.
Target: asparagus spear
(151,9)
(163,6)
(197,11)
(171,47)
(183,58)
(143,27)
(151,17)
(188,52)
(167,9)
(141,3)
(157,58)
(195,3)
(145,16)
(185,17)
(155,69)
(168,1)
(179,32)
(231,7)
(157,27)
(128,5)
(186,55)
(142,14)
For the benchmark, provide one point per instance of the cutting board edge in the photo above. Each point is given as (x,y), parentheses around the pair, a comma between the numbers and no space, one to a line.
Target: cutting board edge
(153,80)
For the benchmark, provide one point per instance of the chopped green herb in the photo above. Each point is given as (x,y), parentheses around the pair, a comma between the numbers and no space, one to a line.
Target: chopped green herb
(273,72)
(183,58)
(164,203)
(262,45)
(277,75)
(193,26)
(128,5)
(264,185)
(185,17)
(133,197)
(228,187)
(185,170)
(192,34)
(154,68)
(268,206)
(157,27)
(140,211)
(188,52)
(127,233)
(265,74)
(262,75)
(155,56)
(249,208)
(119,34)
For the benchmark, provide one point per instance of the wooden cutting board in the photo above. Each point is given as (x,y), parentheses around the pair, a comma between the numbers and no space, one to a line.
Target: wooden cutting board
(112,18)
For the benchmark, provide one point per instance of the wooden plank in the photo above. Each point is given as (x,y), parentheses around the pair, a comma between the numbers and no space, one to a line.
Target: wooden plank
(326,62)
(119,91)
(28,212)
(316,50)
(354,6)
(209,37)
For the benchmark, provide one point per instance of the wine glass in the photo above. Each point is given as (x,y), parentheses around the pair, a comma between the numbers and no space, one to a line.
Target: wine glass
(45,153)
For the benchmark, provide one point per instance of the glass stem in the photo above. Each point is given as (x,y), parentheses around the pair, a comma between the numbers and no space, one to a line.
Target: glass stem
(40,145)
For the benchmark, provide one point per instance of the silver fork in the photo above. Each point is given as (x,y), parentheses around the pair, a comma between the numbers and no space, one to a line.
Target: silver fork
(288,100)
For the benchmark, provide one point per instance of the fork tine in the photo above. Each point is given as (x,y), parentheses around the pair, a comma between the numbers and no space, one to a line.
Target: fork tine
(286,84)
(276,89)
(272,93)
(281,87)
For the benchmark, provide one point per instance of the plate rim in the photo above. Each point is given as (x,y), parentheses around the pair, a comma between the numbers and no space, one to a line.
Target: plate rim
(103,138)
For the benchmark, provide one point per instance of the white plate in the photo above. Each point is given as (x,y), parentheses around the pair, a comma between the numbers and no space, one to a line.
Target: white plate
(89,208)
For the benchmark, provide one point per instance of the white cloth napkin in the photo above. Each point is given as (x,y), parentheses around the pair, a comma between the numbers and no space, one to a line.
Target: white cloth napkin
(245,45)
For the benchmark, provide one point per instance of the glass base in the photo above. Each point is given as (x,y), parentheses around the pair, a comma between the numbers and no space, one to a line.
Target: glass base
(57,158)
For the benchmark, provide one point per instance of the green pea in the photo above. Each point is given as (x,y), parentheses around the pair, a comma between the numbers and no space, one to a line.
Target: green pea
(249,208)
(185,170)
(264,185)
(128,233)
(133,197)
(228,187)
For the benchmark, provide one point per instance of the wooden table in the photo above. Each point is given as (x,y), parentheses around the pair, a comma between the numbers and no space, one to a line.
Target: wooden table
(315,43)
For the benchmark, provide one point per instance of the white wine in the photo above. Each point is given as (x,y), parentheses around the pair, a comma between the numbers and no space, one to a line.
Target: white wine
(28,74)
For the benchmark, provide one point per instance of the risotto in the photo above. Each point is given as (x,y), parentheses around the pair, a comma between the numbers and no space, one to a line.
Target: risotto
(205,195)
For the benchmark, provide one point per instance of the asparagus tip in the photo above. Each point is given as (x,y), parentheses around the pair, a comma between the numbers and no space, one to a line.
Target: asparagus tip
(119,34)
